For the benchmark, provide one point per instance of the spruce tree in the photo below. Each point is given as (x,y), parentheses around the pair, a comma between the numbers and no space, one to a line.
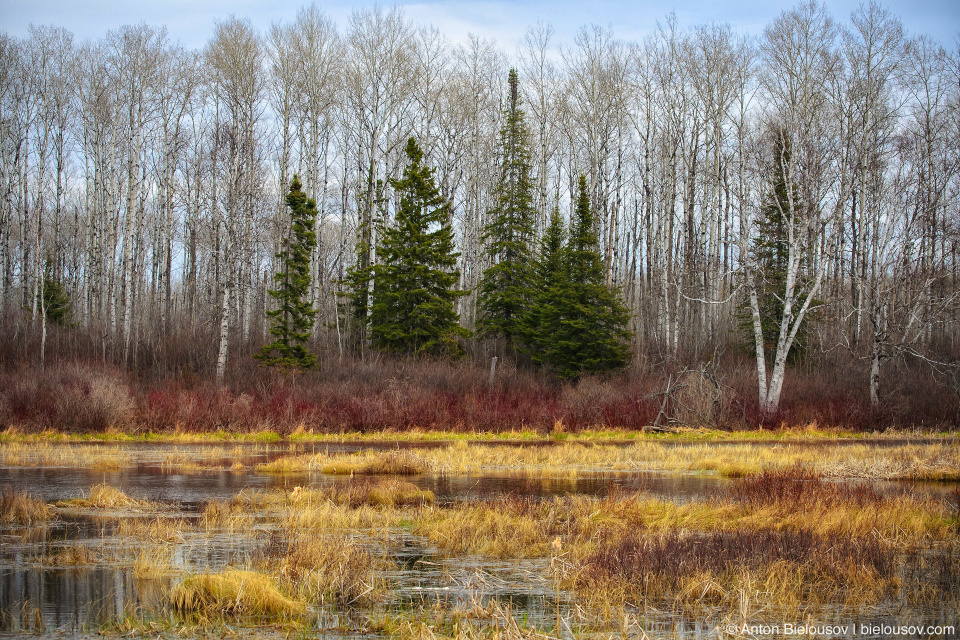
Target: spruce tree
(551,285)
(505,286)
(595,336)
(577,323)
(292,319)
(56,301)
(414,282)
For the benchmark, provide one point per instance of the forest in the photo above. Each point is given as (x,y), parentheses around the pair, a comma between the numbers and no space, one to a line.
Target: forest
(773,221)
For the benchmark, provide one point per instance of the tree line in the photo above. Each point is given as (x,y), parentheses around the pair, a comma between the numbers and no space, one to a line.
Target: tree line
(796,191)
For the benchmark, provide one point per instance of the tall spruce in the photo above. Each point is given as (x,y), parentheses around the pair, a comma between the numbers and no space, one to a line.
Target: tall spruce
(292,319)
(414,282)
(505,287)
(577,324)
(595,334)
(551,287)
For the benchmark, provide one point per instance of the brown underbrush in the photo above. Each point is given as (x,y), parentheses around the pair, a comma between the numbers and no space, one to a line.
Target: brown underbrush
(85,390)
(786,569)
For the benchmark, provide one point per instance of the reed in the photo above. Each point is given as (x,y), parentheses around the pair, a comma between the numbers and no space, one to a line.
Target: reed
(326,569)
(103,496)
(21,508)
(71,556)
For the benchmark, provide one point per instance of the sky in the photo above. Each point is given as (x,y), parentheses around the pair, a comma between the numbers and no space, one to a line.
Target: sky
(191,21)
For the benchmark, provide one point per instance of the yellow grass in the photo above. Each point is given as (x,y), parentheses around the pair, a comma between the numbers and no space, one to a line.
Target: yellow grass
(332,569)
(924,459)
(930,460)
(21,508)
(103,496)
(234,593)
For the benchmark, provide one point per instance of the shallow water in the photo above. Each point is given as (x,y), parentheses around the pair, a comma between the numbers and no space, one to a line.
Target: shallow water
(78,600)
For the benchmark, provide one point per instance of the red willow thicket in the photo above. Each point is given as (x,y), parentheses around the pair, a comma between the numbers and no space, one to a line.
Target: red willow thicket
(172,389)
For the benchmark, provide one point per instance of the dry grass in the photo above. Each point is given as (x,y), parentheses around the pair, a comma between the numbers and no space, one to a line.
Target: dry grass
(21,508)
(369,462)
(326,569)
(386,492)
(786,569)
(939,461)
(493,620)
(159,529)
(233,594)
(103,496)
(516,527)
(875,460)
(153,562)
(72,556)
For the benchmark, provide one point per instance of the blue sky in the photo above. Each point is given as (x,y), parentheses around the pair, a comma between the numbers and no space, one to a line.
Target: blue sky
(191,21)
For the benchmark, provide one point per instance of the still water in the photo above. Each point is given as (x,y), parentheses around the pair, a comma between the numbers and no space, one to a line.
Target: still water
(76,601)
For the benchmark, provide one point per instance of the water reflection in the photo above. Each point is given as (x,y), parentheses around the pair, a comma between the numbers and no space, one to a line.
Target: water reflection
(73,599)
(38,598)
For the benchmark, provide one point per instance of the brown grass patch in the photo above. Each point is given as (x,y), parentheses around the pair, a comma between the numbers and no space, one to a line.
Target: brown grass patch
(20,508)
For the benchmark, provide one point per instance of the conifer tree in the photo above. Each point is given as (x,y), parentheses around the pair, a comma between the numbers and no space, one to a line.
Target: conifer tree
(413,303)
(293,317)
(505,286)
(577,323)
(56,301)
(551,284)
(594,336)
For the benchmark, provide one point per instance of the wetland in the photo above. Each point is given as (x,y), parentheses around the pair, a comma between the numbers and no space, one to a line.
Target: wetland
(461,539)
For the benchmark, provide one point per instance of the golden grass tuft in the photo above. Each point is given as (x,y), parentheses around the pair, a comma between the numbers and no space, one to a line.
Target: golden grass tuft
(20,508)
(329,569)
(387,492)
(103,496)
(234,594)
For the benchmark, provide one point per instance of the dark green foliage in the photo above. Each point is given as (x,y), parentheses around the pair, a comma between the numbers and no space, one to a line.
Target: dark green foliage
(505,286)
(292,320)
(413,298)
(577,324)
(56,302)
(550,292)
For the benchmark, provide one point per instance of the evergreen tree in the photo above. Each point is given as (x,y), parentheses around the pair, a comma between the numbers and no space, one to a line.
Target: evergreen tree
(56,302)
(577,324)
(595,336)
(551,289)
(413,303)
(505,286)
(291,321)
